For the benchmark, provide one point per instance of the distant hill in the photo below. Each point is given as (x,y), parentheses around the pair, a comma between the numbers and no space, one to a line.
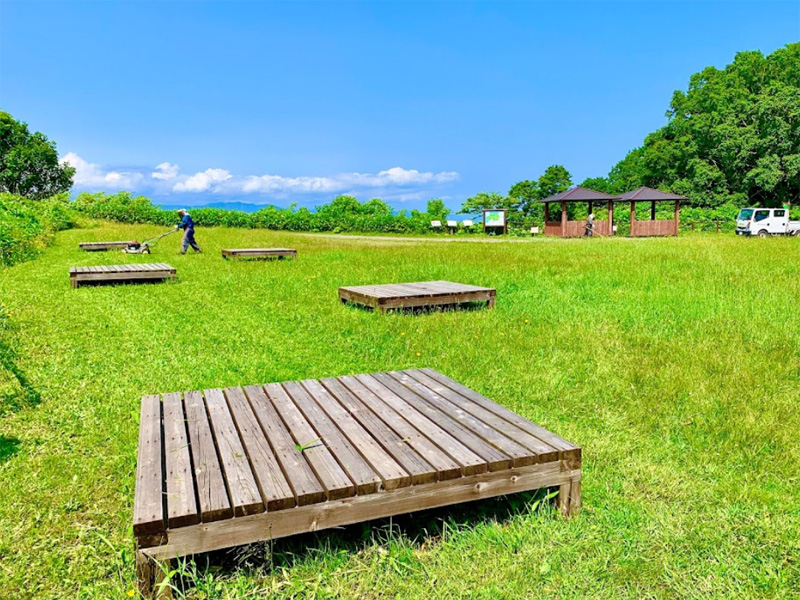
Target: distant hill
(241,206)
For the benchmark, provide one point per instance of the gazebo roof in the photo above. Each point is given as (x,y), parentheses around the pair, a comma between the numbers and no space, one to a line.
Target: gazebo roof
(579,194)
(649,194)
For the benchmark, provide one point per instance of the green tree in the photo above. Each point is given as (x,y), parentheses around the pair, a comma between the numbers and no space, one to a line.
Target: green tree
(554,180)
(482,200)
(525,194)
(29,162)
(733,137)
(598,184)
(437,211)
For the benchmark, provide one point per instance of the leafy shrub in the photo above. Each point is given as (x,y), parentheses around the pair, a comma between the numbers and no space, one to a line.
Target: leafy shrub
(343,214)
(26,225)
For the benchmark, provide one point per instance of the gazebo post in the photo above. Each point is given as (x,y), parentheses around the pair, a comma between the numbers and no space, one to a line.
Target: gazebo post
(653,210)
(677,215)
(546,213)
(563,218)
(610,217)
(633,216)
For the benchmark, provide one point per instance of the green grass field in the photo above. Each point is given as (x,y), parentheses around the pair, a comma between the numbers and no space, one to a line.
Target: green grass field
(674,363)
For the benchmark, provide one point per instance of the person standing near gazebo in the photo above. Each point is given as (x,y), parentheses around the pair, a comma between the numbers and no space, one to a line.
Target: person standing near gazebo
(590,225)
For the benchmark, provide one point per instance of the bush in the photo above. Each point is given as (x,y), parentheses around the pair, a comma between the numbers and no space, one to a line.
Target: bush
(26,226)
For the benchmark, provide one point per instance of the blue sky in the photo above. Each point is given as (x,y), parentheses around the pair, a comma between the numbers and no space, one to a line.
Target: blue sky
(193,102)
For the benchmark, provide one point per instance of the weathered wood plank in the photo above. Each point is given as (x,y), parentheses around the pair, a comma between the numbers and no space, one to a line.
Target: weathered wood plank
(102,246)
(381,462)
(413,295)
(567,450)
(274,488)
(544,452)
(424,420)
(181,502)
(318,447)
(495,459)
(148,504)
(233,532)
(301,478)
(211,492)
(444,465)
(259,253)
(519,454)
(245,496)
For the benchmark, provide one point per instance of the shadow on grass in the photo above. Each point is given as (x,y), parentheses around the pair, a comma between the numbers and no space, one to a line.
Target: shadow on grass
(415,529)
(114,283)
(16,392)
(8,448)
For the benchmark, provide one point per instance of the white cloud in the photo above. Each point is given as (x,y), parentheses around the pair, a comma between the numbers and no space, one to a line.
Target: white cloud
(89,175)
(202,182)
(166,178)
(165,170)
(396,176)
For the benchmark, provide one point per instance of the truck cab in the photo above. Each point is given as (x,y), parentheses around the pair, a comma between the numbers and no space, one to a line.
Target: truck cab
(765,221)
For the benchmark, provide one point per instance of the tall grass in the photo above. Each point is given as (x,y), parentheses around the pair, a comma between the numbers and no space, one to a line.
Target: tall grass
(674,363)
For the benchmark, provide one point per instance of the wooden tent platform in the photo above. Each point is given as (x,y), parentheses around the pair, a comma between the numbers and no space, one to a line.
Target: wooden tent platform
(221,468)
(416,295)
(120,273)
(259,253)
(101,246)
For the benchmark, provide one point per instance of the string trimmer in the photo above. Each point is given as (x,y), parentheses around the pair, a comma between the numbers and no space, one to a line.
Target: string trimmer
(144,248)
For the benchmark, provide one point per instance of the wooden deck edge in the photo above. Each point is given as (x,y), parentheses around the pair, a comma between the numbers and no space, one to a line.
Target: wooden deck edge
(217,535)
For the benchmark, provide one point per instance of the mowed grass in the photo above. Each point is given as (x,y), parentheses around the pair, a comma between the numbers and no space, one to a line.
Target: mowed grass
(674,363)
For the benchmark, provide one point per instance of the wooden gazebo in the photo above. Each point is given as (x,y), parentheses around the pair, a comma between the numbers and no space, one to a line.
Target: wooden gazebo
(565,228)
(653,227)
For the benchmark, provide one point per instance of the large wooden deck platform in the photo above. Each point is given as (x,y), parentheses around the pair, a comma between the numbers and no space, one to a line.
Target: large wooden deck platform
(416,295)
(220,468)
(102,246)
(259,253)
(121,273)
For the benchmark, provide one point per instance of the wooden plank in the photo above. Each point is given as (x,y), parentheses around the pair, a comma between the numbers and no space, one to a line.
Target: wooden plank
(148,506)
(545,452)
(306,419)
(272,484)
(413,451)
(319,448)
(211,492)
(469,461)
(233,532)
(567,450)
(301,478)
(242,487)
(181,502)
(378,460)
(495,459)
(519,454)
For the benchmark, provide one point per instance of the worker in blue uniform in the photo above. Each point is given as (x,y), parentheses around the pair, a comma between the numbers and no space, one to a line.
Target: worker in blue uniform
(187,224)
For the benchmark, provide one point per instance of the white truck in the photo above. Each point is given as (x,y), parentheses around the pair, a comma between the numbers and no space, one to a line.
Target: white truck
(766,221)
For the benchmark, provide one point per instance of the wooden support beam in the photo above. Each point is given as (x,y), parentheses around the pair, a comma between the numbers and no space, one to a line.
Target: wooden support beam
(678,216)
(563,218)
(610,217)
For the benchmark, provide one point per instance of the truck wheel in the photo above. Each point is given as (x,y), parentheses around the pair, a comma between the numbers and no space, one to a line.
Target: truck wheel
(763,233)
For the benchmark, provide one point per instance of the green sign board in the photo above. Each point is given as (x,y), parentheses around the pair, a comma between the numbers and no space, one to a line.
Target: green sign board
(494,218)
